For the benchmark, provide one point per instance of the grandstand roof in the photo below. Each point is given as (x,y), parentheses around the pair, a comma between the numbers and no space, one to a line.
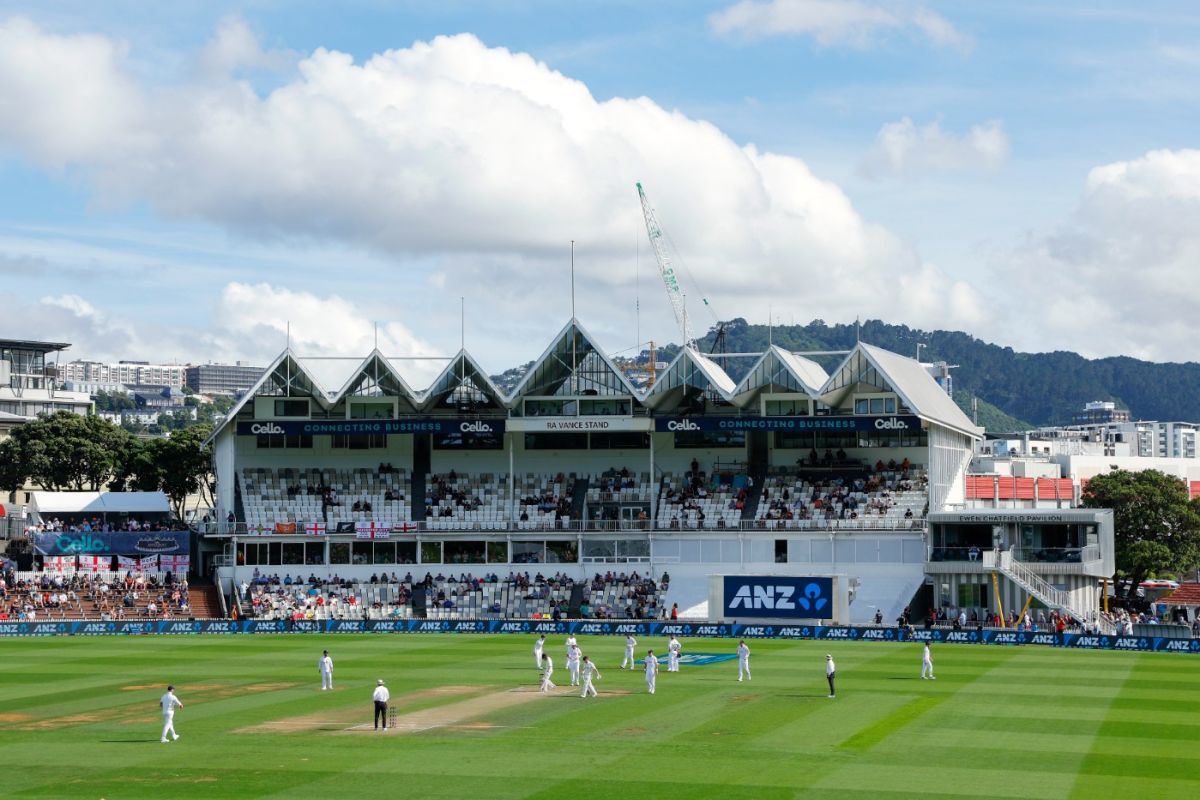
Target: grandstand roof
(376,377)
(781,371)
(884,370)
(463,371)
(573,365)
(690,369)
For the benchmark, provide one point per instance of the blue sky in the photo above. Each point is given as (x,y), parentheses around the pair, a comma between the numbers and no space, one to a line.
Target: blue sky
(184,180)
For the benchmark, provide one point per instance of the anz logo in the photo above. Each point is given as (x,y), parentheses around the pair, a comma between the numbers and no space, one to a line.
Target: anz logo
(511,627)
(1002,638)
(675,629)
(779,598)
(430,626)
(707,630)
(876,634)
(546,627)
(1182,645)
(627,629)
(97,627)
(589,627)
(1043,638)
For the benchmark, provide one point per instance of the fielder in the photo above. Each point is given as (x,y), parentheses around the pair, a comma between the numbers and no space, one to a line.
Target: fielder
(674,648)
(589,670)
(325,665)
(743,654)
(547,671)
(537,651)
(571,643)
(573,653)
(629,658)
(169,702)
(927,664)
(651,670)
(830,674)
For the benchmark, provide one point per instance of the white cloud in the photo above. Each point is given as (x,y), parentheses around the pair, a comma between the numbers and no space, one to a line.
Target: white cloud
(478,164)
(903,148)
(853,23)
(1120,276)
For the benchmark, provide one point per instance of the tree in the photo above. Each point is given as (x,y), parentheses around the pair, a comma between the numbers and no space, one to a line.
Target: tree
(1157,525)
(63,452)
(184,465)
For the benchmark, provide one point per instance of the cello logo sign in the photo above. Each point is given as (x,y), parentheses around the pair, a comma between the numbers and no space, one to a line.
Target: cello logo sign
(778,597)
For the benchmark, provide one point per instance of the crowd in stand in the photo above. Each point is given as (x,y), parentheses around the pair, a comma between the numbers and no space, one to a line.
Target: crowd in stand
(548,501)
(300,598)
(446,489)
(136,596)
(841,498)
(98,525)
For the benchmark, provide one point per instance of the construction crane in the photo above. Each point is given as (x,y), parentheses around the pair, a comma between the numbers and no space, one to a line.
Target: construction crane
(670,278)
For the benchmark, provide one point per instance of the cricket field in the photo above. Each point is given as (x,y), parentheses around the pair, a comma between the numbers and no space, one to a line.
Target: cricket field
(80,720)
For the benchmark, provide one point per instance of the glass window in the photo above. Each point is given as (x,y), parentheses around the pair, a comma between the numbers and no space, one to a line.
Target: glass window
(339,552)
(375,410)
(406,552)
(889,405)
(293,553)
(431,552)
(497,552)
(314,553)
(359,441)
(361,554)
(291,408)
(561,553)
(876,405)
(384,553)
(709,439)
(468,552)
(556,441)
(457,440)
(860,406)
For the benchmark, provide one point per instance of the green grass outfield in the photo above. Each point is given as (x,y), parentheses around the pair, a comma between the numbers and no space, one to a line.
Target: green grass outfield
(79,720)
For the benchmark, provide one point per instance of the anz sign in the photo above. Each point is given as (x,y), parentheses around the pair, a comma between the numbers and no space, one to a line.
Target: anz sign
(778,597)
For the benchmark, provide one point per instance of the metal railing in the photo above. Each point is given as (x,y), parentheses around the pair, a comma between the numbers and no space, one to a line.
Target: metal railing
(302,529)
(1037,586)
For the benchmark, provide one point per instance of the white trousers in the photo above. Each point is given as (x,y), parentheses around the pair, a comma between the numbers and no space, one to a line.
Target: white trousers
(547,684)
(169,726)
(629,658)
(573,671)
(587,687)
(537,658)
(926,669)
(326,680)
(743,668)
(650,678)
(673,662)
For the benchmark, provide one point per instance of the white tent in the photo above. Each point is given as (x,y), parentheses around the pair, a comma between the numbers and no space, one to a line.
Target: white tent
(44,504)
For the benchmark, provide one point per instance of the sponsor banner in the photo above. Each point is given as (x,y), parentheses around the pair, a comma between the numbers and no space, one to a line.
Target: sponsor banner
(891,422)
(121,543)
(579,424)
(684,630)
(778,597)
(306,427)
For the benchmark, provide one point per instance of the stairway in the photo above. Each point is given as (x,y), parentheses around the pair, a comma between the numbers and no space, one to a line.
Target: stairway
(578,498)
(418,496)
(204,601)
(753,497)
(1033,584)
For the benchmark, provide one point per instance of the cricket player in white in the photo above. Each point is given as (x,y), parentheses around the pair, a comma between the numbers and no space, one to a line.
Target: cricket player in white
(629,658)
(169,702)
(743,654)
(673,650)
(573,654)
(547,671)
(927,664)
(537,651)
(589,670)
(831,674)
(325,665)
(651,670)
(570,643)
